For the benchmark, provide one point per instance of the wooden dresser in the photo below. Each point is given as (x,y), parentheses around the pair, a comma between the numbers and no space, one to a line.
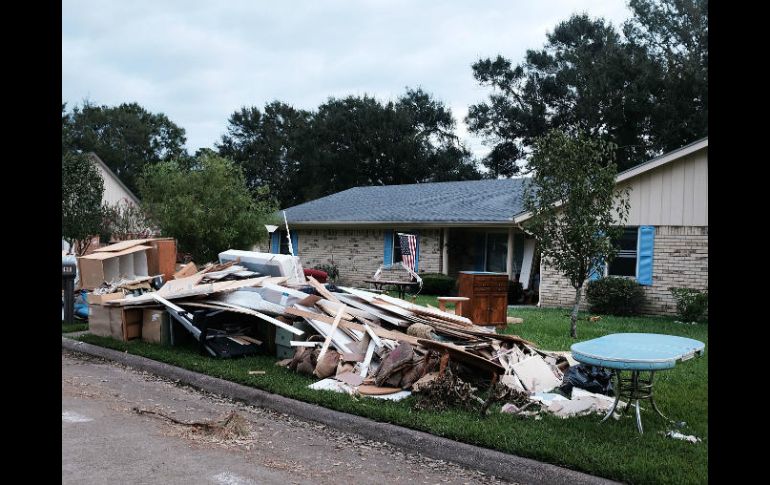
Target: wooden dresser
(488,293)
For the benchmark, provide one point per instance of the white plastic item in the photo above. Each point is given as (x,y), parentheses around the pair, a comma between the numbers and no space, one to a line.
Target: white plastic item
(267,264)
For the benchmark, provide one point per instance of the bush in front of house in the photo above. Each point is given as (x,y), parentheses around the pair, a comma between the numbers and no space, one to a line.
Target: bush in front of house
(691,305)
(615,296)
(331,270)
(437,284)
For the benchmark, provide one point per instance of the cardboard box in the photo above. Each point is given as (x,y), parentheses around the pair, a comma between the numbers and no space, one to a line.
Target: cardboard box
(98,267)
(100,299)
(155,326)
(186,270)
(120,323)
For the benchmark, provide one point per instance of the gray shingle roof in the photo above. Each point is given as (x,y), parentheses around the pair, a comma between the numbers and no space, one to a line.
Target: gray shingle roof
(467,201)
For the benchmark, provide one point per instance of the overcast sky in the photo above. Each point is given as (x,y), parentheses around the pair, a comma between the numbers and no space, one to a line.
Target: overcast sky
(198,61)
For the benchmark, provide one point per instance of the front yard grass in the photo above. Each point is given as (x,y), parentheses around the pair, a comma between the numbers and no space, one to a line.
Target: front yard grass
(613,449)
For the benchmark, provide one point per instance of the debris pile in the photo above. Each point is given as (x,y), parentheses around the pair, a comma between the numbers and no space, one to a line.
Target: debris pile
(355,341)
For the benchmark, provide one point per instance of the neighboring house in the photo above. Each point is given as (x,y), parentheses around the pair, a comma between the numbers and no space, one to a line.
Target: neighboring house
(665,243)
(114,189)
(475,225)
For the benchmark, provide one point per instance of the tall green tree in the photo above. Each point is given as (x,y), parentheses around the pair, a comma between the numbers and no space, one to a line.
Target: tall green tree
(126,137)
(645,91)
(269,145)
(207,206)
(81,199)
(674,34)
(575,207)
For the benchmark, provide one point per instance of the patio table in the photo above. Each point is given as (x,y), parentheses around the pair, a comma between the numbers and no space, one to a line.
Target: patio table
(401,286)
(636,353)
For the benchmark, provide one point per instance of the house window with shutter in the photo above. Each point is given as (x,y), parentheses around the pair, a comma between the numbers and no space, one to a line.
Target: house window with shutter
(624,263)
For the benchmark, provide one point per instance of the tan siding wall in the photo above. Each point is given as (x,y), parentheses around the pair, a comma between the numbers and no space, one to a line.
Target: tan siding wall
(680,259)
(675,194)
(113,192)
(359,252)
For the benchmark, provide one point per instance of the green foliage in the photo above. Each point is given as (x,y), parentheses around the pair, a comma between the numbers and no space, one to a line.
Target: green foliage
(332,271)
(206,207)
(691,305)
(576,209)
(126,137)
(437,284)
(645,91)
(615,296)
(123,220)
(81,199)
(348,142)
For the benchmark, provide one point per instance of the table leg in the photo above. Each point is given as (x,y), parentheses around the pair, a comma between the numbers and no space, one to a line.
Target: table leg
(652,400)
(638,418)
(617,396)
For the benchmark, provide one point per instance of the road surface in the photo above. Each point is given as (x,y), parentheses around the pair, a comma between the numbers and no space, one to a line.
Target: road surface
(105,440)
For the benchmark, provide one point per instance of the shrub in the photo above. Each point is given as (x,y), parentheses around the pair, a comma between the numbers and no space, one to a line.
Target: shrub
(331,270)
(615,296)
(691,305)
(437,284)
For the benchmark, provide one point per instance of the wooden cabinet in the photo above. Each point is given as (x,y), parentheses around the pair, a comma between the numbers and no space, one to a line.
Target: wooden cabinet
(488,293)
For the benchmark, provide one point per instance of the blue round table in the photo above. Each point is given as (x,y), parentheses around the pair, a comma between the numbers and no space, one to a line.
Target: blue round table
(636,352)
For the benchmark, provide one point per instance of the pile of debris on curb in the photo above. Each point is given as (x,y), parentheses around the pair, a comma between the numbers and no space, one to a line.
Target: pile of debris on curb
(353,340)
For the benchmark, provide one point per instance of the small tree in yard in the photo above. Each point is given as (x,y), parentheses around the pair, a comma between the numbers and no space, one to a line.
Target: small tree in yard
(205,206)
(576,209)
(81,199)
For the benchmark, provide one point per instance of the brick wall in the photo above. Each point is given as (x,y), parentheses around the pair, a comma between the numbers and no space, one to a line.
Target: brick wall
(680,259)
(359,252)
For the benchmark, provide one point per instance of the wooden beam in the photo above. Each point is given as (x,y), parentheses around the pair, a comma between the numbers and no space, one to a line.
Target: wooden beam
(334,329)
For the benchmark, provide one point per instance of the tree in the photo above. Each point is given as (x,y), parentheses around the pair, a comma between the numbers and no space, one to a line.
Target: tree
(207,207)
(646,91)
(576,209)
(124,220)
(126,137)
(584,78)
(268,146)
(81,198)
(674,34)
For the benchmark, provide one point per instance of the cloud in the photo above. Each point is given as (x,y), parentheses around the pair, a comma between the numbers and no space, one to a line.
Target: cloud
(198,61)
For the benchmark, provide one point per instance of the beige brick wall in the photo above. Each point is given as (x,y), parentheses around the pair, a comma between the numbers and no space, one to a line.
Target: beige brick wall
(359,252)
(680,259)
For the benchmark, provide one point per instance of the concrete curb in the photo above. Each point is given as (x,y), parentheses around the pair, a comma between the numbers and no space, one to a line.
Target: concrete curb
(503,465)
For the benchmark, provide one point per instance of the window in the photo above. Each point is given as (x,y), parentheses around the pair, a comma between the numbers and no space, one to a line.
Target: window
(624,263)
(497,252)
(397,256)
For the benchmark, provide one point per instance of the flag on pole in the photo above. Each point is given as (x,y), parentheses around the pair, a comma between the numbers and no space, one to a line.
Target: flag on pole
(408,250)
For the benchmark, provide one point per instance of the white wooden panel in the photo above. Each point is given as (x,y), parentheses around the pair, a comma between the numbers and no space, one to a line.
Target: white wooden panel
(676,217)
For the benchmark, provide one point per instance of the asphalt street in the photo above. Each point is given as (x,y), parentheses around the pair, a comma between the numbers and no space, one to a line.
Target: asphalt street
(105,439)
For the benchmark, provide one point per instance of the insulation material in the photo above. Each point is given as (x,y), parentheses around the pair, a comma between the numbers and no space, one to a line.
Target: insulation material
(535,374)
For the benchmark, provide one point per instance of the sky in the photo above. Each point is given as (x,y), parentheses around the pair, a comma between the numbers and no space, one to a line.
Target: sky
(199,61)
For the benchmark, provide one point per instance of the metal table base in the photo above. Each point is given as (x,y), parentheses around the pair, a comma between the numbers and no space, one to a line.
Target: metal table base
(633,389)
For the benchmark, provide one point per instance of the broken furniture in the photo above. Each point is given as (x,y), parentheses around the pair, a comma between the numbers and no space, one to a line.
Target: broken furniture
(488,297)
(401,286)
(637,353)
(457,300)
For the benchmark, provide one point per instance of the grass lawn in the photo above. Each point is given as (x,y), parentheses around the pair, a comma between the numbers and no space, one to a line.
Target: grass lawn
(73,327)
(613,449)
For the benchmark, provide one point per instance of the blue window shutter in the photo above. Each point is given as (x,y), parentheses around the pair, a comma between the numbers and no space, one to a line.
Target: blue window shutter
(294,241)
(275,242)
(481,243)
(417,252)
(644,255)
(597,271)
(388,250)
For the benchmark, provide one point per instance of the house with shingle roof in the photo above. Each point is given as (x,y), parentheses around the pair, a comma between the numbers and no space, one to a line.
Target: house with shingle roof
(477,226)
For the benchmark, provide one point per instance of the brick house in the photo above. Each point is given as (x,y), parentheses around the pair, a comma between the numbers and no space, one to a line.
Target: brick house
(476,226)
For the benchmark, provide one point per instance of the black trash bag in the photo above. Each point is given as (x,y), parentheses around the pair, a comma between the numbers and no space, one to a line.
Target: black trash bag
(587,377)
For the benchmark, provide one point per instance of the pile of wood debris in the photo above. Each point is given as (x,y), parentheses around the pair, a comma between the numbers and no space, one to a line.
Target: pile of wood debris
(366,343)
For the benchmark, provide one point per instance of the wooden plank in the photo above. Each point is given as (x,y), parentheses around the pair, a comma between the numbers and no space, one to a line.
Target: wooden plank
(367,359)
(379,331)
(460,320)
(252,340)
(334,328)
(321,289)
(457,353)
(332,307)
(295,343)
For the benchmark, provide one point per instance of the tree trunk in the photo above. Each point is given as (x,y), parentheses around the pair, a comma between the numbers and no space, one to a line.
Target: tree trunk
(574,315)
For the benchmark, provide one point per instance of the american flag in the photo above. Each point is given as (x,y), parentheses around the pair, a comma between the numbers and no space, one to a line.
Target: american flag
(408,249)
